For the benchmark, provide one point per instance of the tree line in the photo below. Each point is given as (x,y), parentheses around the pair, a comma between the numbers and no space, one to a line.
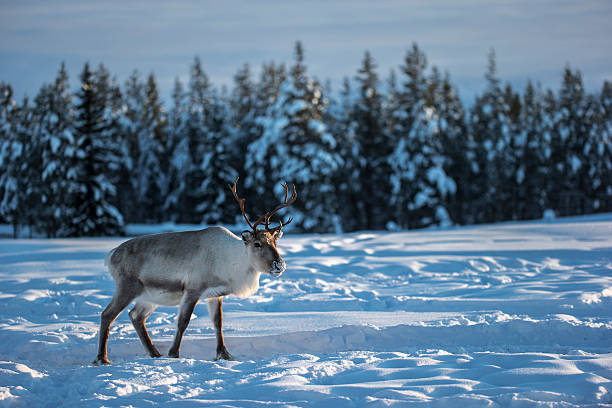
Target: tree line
(393,153)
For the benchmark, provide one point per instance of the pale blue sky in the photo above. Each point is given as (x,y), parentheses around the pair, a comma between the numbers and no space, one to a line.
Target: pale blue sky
(532,39)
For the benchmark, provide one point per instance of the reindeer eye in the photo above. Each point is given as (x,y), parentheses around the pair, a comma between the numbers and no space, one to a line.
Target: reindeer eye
(257,245)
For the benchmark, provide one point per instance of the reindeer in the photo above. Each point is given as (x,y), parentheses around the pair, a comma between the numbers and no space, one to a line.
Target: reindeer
(180,268)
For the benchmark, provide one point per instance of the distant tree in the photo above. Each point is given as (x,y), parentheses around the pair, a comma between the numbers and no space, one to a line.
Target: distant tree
(531,151)
(373,144)
(552,150)
(600,149)
(149,175)
(490,130)
(456,150)
(267,92)
(419,184)
(18,166)
(218,168)
(178,151)
(132,124)
(243,115)
(55,117)
(511,148)
(574,128)
(7,105)
(196,132)
(98,155)
(410,106)
(297,148)
(346,179)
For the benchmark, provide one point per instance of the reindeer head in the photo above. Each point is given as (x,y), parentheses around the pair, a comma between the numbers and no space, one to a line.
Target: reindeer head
(260,243)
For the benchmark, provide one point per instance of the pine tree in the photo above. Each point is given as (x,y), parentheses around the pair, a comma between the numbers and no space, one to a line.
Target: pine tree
(132,126)
(196,131)
(98,155)
(373,147)
(18,202)
(532,150)
(244,115)
(420,186)
(297,148)
(511,152)
(55,118)
(600,160)
(7,105)
(268,89)
(342,127)
(149,175)
(574,129)
(178,151)
(218,169)
(553,152)
(455,148)
(490,131)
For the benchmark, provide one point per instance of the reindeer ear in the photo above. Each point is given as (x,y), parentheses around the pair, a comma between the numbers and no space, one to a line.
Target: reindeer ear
(247,236)
(278,234)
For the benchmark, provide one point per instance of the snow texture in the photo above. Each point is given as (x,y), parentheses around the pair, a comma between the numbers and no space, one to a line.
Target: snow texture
(515,314)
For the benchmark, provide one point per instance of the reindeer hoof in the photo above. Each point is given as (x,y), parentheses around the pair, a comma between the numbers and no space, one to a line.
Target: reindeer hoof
(224,355)
(155,354)
(101,361)
(173,354)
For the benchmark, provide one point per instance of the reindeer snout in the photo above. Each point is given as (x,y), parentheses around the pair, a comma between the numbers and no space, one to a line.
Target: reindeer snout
(278,267)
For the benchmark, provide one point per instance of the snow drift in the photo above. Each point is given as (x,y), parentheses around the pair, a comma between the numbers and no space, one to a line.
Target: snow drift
(498,315)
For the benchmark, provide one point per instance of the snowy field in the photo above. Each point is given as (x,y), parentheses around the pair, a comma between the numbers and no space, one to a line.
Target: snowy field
(516,314)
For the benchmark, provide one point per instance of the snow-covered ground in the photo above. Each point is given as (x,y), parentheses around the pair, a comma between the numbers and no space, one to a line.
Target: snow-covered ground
(516,314)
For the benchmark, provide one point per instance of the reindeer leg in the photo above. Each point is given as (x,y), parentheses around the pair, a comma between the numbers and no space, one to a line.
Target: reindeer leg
(188,303)
(215,309)
(124,294)
(138,315)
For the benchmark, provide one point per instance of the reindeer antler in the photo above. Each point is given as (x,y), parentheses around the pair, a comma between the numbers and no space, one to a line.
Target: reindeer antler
(283,205)
(266,217)
(241,202)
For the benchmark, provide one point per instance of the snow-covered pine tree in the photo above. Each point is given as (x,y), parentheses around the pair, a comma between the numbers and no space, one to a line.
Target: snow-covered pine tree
(512,154)
(600,161)
(410,104)
(267,91)
(54,112)
(132,123)
(419,184)
(178,151)
(491,133)
(218,168)
(596,155)
(553,151)
(374,147)
(572,123)
(534,143)
(97,155)
(196,132)
(7,104)
(297,148)
(342,126)
(456,150)
(149,175)
(243,115)
(18,163)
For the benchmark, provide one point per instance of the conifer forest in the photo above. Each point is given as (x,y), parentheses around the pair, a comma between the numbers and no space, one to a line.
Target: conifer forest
(398,150)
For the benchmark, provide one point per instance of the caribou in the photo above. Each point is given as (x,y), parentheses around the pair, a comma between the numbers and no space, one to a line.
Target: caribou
(180,268)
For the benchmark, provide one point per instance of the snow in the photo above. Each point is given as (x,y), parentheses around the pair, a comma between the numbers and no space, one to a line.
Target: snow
(513,314)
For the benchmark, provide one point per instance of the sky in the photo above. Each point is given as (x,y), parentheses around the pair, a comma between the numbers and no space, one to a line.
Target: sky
(532,39)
